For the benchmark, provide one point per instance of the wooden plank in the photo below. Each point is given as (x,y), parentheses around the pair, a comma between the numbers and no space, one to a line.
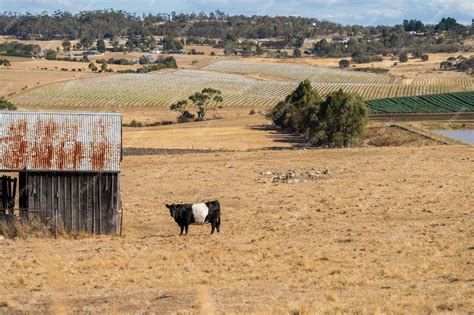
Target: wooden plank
(108,204)
(66,195)
(99,191)
(43,196)
(113,224)
(117,206)
(93,193)
(89,205)
(80,205)
(73,204)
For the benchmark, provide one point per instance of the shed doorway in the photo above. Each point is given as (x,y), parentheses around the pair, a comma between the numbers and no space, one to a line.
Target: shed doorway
(8,186)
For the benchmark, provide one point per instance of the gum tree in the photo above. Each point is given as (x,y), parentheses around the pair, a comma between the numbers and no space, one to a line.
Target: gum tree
(205,100)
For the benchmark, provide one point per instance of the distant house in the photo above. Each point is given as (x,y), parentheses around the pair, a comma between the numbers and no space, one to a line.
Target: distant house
(341,39)
(179,51)
(157,50)
(92,53)
(72,55)
(148,58)
(411,32)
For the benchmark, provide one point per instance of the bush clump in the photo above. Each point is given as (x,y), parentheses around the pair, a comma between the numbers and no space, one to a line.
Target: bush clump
(336,121)
(4,104)
(403,57)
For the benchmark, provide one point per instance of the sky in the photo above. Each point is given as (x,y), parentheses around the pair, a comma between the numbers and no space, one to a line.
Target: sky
(375,12)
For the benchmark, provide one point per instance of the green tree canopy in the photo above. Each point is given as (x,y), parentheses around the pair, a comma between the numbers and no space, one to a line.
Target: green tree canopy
(403,57)
(343,117)
(4,104)
(101,45)
(292,113)
(344,63)
(337,121)
(208,98)
(205,100)
(66,45)
(86,42)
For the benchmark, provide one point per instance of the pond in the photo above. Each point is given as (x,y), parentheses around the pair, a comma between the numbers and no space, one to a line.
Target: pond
(466,136)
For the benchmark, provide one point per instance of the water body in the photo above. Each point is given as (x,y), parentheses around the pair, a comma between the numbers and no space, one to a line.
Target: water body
(466,136)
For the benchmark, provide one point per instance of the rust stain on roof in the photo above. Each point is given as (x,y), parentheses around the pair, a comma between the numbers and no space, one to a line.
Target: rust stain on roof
(60,141)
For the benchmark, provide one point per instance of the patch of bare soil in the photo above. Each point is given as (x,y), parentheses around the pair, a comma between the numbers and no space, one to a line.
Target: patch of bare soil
(385,135)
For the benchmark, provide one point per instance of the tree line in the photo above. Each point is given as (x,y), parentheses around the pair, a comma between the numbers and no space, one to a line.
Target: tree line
(99,24)
(397,40)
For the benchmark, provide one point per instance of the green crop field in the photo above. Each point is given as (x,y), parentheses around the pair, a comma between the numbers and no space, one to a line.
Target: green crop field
(234,78)
(434,103)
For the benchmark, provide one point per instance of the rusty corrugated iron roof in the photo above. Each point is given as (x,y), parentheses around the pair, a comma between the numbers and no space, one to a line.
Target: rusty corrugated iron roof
(60,141)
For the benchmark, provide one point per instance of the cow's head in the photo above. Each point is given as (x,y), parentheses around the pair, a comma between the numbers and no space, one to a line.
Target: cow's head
(172,209)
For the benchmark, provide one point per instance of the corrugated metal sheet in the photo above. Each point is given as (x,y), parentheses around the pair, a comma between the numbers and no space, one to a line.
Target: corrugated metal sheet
(60,141)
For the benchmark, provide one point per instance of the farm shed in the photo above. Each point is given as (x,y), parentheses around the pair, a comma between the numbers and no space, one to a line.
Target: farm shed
(68,168)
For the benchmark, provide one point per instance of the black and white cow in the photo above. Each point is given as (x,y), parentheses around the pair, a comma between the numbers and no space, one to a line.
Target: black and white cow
(198,213)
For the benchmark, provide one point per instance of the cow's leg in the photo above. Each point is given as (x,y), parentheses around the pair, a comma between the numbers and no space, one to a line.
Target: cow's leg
(218,224)
(182,229)
(213,224)
(186,227)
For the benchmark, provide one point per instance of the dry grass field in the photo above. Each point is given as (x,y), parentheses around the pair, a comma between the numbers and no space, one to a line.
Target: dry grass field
(387,230)
(16,81)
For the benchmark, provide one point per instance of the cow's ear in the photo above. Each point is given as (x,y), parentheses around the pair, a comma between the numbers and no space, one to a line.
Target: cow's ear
(168,206)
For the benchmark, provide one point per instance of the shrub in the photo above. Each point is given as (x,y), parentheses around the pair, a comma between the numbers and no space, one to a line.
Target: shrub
(344,63)
(359,57)
(252,112)
(135,123)
(372,70)
(126,71)
(92,67)
(424,57)
(160,123)
(4,104)
(403,57)
(185,117)
(5,62)
(50,54)
(417,53)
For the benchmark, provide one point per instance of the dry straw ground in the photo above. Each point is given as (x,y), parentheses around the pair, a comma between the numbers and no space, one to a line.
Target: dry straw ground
(388,230)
